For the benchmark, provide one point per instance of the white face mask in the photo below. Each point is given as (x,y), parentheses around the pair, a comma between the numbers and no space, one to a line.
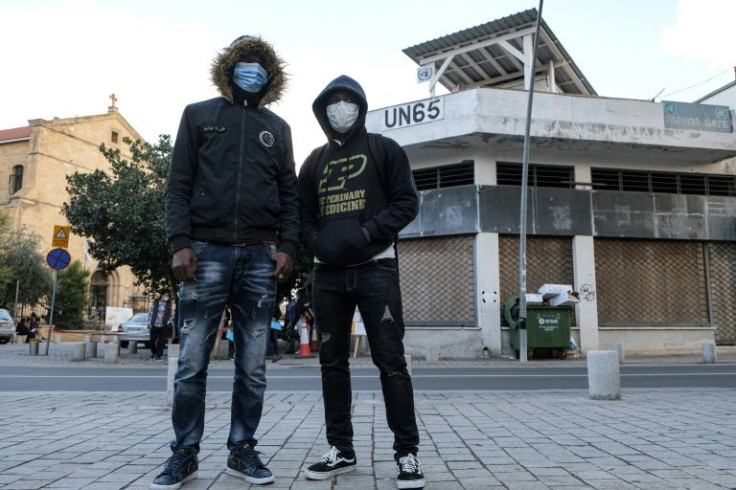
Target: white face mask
(342,115)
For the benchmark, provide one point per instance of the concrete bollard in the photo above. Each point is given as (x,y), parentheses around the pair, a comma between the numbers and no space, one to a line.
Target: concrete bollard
(33,347)
(223,348)
(709,352)
(57,338)
(112,351)
(79,352)
(407,358)
(173,360)
(604,381)
(619,348)
(133,347)
(19,339)
(90,349)
(432,354)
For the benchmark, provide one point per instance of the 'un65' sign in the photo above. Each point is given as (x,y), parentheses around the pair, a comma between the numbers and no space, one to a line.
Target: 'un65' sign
(414,113)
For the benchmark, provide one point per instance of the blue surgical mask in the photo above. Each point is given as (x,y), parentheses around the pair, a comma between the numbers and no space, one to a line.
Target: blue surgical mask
(251,77)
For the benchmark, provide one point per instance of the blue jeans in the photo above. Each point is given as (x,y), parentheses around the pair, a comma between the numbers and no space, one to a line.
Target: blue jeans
(374,288)
(240,275)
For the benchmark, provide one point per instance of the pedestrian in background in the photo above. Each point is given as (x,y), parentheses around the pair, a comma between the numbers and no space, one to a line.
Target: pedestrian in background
(159,315)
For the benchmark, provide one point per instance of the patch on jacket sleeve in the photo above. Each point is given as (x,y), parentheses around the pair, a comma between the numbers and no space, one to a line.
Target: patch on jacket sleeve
(266,138)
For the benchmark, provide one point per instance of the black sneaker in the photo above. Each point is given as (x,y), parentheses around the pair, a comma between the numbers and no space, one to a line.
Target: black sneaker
(244,463)
(410,475)
(181,467)
(333,463)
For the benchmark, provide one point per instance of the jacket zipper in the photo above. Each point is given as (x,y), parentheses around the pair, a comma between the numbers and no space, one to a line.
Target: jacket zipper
(240,171)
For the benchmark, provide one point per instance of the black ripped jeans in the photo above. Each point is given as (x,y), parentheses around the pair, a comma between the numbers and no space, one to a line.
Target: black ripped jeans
(374,288)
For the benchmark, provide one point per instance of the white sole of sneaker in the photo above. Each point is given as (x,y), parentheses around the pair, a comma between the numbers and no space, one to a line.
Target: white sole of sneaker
(311,475)
(175,485)
(403,484)
(249,479)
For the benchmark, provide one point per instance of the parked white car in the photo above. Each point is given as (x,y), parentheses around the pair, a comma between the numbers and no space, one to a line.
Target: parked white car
(7,329)
(134,329)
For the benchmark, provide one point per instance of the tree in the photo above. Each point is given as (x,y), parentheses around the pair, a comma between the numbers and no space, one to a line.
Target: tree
(28,273)
(6,272)
(122,215)
(71,296)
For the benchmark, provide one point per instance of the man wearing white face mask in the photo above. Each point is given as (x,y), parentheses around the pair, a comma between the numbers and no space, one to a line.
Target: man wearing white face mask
(232,224)
(356,193)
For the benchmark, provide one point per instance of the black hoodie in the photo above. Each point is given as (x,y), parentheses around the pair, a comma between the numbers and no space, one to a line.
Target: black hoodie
(232,177)
(344,187)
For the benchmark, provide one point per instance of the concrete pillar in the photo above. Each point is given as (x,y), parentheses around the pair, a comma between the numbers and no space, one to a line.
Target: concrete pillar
(407,358)
(619,348)
(132,347)
(222,350)
(709,352)
(57,338)
(488,303)
(604,381)
(33,348)
(432,354)
(112,351)
(173,360)
(90,349)
(79,352)
(586,311)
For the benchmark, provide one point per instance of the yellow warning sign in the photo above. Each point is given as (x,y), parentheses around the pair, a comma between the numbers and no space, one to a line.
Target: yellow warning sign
(61,237)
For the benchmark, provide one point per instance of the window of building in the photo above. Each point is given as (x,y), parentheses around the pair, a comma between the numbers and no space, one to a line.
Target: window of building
(114,137)
(666,182)
(453,175)
(16,179)
(539,175)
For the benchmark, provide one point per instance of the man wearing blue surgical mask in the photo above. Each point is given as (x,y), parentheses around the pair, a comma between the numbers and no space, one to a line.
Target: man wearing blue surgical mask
(232,223)
(356,193)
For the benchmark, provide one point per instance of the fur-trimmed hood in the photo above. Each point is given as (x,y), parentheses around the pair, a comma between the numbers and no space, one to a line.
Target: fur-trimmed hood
(221,71)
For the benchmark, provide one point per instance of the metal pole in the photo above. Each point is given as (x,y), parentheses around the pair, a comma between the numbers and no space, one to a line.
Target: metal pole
(524,179)
(51,313)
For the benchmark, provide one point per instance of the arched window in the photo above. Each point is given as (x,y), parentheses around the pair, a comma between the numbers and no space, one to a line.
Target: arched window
(16,179)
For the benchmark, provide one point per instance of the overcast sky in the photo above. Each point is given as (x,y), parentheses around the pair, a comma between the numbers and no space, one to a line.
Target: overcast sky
(64,59)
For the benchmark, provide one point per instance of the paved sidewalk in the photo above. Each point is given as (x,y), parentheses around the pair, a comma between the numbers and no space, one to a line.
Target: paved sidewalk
(651,439)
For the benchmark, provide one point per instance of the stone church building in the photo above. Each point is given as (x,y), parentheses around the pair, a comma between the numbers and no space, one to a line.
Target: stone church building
(36,160)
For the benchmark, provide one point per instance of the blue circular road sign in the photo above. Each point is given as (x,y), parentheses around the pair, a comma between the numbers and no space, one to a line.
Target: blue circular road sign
(58,258)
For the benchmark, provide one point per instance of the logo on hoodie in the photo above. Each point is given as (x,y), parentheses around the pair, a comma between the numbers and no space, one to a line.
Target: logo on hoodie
(266,138)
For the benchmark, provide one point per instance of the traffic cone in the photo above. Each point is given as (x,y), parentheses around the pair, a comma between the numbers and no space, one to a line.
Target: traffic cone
(314,343)
(304,350)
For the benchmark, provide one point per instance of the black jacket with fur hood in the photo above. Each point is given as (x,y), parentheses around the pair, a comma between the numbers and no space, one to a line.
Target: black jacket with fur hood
(232,177)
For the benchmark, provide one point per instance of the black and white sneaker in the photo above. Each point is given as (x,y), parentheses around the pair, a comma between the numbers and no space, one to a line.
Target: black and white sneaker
(333,463)
(410,475)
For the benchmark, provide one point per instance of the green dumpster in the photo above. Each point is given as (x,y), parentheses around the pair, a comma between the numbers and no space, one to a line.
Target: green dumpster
(547,328)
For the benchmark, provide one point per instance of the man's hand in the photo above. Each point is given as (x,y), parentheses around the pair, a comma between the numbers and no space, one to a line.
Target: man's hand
(284,266)
(184,264)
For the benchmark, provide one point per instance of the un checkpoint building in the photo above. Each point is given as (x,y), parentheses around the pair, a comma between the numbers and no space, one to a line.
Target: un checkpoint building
(631,202)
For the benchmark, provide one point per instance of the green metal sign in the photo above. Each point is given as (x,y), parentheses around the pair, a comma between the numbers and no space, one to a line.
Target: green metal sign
(697,117)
